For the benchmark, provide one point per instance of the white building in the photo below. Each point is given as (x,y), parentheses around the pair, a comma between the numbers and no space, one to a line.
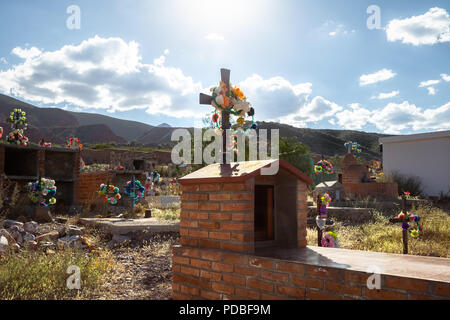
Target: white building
(425,155)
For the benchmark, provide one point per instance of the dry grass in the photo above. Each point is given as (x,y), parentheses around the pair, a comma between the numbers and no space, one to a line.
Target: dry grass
(36,275)
(382,236)
(171,214)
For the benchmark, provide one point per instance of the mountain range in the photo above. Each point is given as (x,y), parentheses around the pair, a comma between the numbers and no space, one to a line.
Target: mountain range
(57,125)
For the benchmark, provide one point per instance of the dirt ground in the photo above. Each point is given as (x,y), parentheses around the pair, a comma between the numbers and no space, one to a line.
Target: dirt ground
(142,271)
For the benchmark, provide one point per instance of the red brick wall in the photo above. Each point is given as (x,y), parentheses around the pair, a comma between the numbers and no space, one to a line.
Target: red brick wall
(382,190)
(218,216)
(200,273)
(87,185)
(2,160)
(302,212)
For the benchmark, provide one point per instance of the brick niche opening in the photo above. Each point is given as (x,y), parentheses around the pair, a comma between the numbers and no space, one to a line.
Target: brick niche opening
(234,207)
(21,162)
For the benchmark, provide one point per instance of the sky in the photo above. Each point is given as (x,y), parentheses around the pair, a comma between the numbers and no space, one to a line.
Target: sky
(374,66)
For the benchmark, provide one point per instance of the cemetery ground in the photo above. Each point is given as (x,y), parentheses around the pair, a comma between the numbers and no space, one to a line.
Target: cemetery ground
(142,270)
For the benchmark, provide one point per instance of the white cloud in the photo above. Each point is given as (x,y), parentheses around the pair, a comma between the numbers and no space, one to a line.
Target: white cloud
(26,53)
(315,110)
(427,29)
(389,95)
(3,60)
(431,91)
(109,74)
(446,77)
(214,37)
(101,73)
(382,75)
(334,29)
(395,118)
(429,83)
(275,97)
(354,118)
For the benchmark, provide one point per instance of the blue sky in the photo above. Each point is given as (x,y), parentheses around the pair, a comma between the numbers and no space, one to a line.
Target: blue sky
(311,64)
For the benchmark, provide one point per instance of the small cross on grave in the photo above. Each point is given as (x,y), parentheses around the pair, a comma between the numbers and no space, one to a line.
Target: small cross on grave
(327,223)
(405,231)
(133,190)
(205,99)
(349,148)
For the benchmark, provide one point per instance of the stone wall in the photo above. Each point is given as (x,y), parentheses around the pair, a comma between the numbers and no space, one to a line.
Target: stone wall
(126,158)
(200,273)
(374,190)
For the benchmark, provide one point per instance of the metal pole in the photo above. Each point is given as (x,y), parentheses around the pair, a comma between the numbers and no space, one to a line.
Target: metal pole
(319,231)
(405,232)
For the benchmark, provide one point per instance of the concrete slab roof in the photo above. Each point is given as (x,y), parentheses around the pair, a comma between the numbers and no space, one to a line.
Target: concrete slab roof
(413,137)
(240,171)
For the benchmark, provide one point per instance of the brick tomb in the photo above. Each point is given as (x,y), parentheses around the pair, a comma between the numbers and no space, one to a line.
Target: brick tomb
(243,236)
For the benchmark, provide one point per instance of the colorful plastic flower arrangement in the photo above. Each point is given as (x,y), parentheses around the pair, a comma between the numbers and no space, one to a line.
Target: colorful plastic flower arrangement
(406,218)
(138,193)
(235,104)
(323,166)
(325,201)
(43,192)
(74,143)
(174,187)
(330,240)
(44,144)
(82,164)
(109,193)
(354,146)
(18,122)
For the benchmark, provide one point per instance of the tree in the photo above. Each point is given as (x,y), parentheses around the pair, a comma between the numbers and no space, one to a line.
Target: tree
(296,154)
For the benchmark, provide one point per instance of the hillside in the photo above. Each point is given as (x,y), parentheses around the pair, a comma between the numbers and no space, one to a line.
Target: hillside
(128,130)
(55,125)
(58,125)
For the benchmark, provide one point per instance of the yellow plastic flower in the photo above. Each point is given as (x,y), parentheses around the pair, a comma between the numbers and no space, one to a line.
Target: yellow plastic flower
(52,201)
(414,233)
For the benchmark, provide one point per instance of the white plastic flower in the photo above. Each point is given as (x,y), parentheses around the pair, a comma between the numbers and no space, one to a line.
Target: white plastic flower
(242,106)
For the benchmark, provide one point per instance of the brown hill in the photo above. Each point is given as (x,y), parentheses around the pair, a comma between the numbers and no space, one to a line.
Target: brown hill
(55,125)
(58,125)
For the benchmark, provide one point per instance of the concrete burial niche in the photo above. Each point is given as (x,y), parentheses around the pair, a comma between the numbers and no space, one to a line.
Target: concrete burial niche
(234,207)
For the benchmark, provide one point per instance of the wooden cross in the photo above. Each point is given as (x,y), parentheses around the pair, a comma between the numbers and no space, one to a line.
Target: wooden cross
(405,232)
(205,99)
(327,223)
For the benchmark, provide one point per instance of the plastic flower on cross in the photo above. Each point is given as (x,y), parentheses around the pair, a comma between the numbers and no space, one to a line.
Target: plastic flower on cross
(18,122)
(234,102)
(135,192)
(330,240)
(42,191)
(325,200)
(109,194)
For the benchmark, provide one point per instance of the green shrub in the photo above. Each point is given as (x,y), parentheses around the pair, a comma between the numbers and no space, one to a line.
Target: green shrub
(405,183)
